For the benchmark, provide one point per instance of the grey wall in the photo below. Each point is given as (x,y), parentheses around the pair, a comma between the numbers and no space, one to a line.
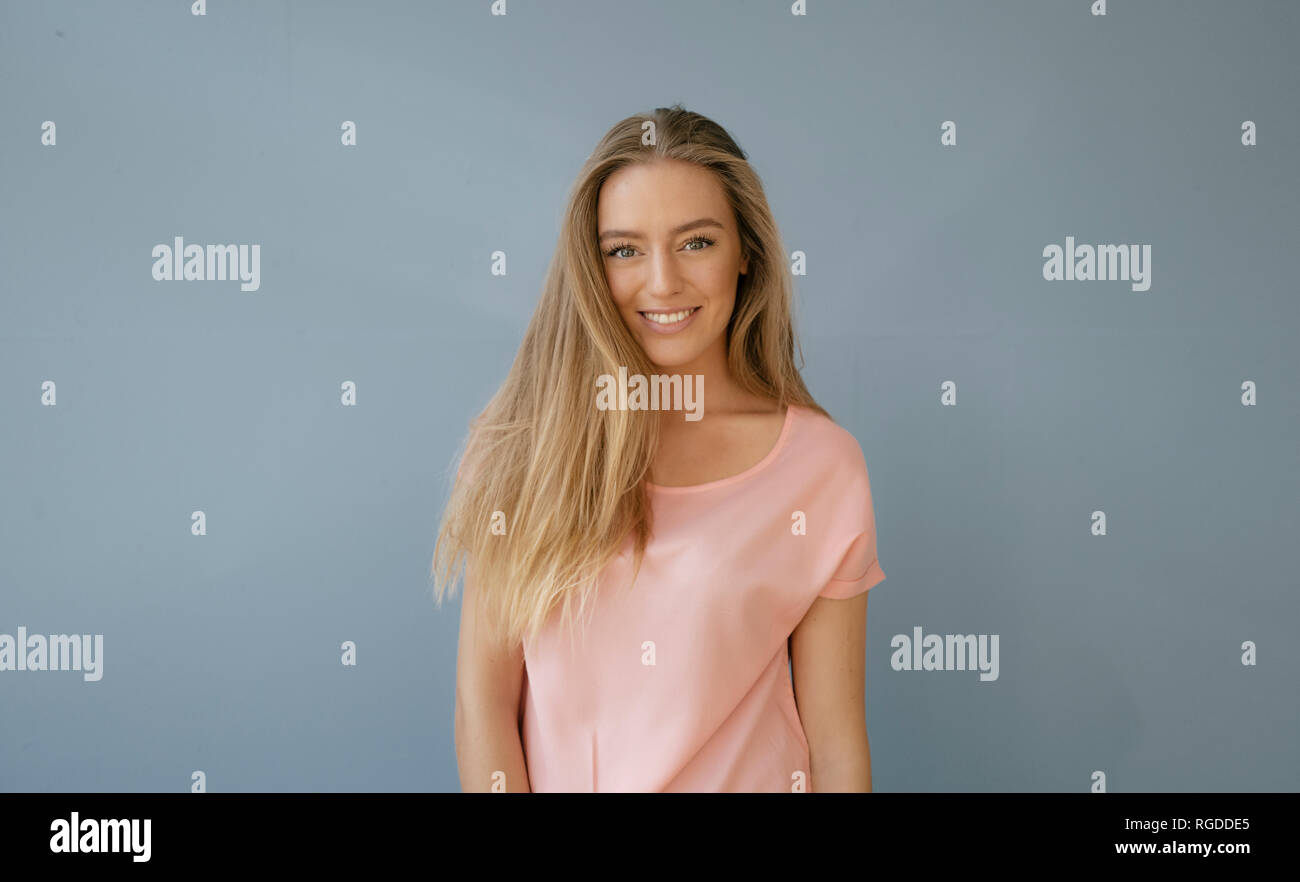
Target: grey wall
(1120,653)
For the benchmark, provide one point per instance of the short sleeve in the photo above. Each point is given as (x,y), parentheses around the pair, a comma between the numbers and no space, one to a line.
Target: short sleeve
(844,583)
(859,568)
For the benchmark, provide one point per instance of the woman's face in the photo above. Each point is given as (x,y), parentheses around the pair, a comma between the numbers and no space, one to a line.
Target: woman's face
(672,258)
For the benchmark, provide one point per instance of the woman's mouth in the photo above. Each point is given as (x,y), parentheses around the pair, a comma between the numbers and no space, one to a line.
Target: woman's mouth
(668,321)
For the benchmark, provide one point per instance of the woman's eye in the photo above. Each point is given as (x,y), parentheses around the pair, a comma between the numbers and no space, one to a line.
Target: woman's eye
(703,241)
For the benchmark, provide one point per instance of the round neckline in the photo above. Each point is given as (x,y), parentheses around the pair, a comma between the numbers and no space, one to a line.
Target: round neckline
(731,479)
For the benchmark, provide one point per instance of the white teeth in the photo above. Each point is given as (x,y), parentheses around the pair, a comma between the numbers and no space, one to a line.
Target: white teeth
(668,318)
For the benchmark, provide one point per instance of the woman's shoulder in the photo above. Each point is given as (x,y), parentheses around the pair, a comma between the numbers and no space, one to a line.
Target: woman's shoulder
(826,439)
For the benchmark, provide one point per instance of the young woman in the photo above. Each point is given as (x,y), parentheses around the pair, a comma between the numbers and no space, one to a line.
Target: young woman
(638,582)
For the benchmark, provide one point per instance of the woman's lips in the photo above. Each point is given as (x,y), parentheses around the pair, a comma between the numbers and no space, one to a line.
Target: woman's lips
(661,327)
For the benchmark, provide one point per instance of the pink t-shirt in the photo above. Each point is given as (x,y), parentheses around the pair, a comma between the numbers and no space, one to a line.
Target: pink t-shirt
(681,681)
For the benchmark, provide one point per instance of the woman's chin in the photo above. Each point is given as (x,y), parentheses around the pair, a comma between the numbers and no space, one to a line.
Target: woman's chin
(666,361)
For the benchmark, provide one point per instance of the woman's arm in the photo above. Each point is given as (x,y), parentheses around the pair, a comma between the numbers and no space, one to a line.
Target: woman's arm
(828,650)
(489,752)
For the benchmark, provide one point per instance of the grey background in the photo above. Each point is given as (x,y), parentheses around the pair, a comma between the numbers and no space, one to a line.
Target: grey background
(221,653)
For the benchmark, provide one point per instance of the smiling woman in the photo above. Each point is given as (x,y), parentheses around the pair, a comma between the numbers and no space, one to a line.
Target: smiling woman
(701,556)
(668,277)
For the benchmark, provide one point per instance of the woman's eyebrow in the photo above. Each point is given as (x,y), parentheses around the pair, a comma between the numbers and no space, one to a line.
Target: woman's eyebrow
(690,225)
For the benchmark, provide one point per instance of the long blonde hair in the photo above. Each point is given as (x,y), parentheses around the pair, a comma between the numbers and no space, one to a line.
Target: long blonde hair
(567,476)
